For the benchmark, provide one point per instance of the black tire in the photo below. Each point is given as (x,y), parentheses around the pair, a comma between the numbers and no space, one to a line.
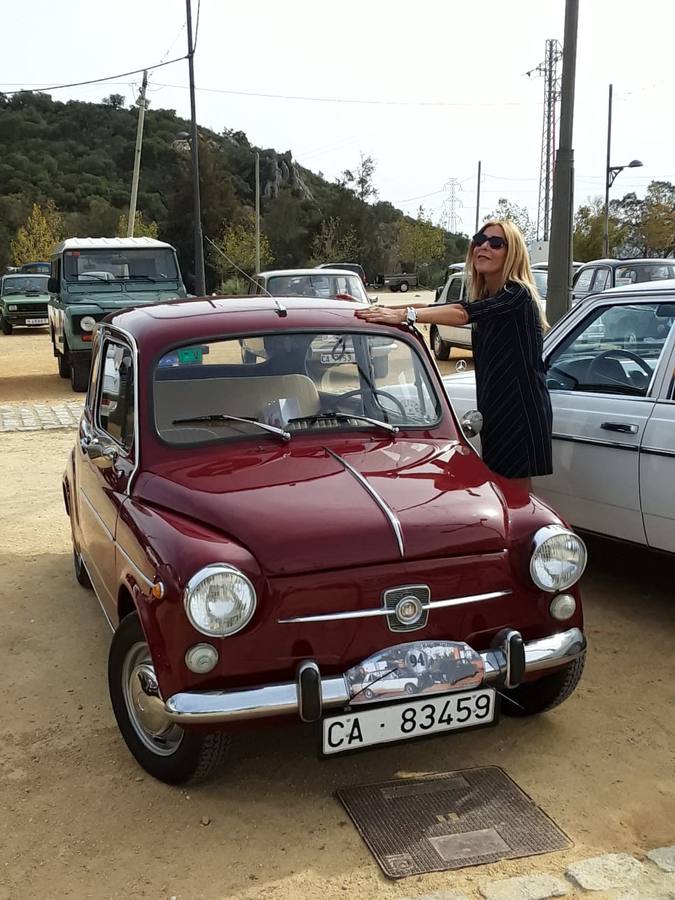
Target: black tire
(79,377)
(535,697)
(80,571)
(6,327)
(441,348)
(393,288)
(175,757)
(368,694)
(403,287)
(409,688)
(63,363)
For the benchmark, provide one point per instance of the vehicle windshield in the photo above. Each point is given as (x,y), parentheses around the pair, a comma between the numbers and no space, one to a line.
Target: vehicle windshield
(541,281)
(24,284)
(35,268)
(291,383)
(322,286)
(636,273)
(148,264)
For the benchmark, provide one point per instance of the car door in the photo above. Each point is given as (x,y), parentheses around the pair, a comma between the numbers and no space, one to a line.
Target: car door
(581,286)
(104,461)
(657,453)
(454,292)
(602,394)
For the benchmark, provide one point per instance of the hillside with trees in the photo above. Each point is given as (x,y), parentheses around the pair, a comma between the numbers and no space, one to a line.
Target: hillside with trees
(65,170)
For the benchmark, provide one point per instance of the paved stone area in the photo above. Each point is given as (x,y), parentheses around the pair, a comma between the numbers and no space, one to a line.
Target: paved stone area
(40,416)
(613,876)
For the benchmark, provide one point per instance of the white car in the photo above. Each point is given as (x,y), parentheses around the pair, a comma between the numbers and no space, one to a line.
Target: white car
(611,374)
(392,683)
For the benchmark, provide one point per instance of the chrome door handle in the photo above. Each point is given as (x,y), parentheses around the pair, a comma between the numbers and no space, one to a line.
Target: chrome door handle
(623,427)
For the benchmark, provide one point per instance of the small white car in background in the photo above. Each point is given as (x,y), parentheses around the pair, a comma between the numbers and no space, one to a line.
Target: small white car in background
(611,373)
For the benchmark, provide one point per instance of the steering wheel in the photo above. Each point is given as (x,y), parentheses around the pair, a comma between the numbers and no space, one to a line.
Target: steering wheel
(619,352)
(377,393)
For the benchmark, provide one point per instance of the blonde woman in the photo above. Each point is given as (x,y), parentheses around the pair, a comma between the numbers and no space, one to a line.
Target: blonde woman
(507,334)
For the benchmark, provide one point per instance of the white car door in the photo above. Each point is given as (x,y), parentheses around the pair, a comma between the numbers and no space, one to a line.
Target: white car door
(453,292)
(601,379)
(657,456)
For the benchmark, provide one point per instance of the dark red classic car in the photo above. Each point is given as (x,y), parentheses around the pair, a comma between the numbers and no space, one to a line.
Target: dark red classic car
(276,528)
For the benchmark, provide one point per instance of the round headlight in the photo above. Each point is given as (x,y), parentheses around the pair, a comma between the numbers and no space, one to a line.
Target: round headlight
(12,307)
(219,600)
(87,323)
(558,560)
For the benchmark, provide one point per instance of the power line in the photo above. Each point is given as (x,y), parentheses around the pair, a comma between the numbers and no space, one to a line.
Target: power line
(58,87)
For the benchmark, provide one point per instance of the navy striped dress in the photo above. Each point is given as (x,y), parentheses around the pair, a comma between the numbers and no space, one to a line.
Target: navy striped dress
(512,396)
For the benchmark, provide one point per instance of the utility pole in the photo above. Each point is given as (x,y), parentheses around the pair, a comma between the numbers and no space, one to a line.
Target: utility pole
(562,218)
(137,156)
(200,275)
(257,213)
(549,69)
(605,229)
(478,199)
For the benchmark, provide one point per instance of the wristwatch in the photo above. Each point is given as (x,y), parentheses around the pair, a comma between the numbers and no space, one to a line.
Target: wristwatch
(410,316)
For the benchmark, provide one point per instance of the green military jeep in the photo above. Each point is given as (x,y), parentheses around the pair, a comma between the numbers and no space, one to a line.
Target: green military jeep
(92,277)
(23,301)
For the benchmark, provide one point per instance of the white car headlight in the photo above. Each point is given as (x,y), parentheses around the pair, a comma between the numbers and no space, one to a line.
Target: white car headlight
(558,559)
(87,323)
(219,600)
(12,307)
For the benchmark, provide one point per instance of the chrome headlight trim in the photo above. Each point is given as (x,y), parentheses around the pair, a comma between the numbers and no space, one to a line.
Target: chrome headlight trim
(541,537)
(87,324)
(197,580)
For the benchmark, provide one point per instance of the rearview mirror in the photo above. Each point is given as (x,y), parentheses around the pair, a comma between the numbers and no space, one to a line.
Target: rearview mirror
(471,423)
(53,285)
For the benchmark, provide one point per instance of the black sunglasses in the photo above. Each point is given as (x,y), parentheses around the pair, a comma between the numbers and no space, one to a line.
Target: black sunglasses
(492,239)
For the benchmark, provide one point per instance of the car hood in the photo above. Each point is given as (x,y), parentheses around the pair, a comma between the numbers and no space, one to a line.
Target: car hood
(306,508)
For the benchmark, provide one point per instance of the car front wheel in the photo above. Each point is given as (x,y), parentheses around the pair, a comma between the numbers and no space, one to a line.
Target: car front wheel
(6,327)
(64,365)
(440,347)
(161,747)
(534,697)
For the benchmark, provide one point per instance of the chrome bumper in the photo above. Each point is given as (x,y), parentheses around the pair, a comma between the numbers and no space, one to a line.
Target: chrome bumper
(501,667)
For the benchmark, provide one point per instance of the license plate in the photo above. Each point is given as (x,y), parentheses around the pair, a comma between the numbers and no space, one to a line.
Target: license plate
(400,721)
(37,321)
(328,358)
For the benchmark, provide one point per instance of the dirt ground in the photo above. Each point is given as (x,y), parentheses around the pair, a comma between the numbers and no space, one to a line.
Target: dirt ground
(80,819)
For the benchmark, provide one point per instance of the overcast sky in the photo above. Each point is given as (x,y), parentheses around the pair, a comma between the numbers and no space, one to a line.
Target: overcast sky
(448,79)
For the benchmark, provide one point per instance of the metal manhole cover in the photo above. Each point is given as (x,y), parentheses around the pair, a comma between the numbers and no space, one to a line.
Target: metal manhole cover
(449,821)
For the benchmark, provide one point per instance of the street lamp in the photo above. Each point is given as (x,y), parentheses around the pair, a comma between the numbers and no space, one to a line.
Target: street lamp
(611,172)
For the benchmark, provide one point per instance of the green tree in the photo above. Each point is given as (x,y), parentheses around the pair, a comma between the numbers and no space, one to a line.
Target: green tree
(114,100)
(589,226)
(36,238)
(515,213)
(334,242)
(658,219)
(237,249)
(361,180)
(141,227)
(419,240)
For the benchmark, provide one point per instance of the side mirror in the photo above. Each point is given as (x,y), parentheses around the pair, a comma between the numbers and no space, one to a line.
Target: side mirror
(102,457)
(373,300)
(471,423)
(53,285)
(439,291)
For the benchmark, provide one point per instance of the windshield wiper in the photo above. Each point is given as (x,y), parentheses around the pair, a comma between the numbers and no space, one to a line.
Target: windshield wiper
(221,417)
(345,417)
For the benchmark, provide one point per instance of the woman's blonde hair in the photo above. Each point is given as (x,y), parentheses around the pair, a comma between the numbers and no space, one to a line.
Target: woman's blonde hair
(516,266)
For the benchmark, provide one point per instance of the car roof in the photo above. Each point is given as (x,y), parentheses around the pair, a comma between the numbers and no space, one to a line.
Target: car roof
(640,261)
(298,272)
(644,287)
(116,243)
(212,318)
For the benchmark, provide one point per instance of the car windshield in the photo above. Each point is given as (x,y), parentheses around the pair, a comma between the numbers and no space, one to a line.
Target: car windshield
(322,286)
(636,273)
(148,264)
(541,281)
(24,284)
(287,383)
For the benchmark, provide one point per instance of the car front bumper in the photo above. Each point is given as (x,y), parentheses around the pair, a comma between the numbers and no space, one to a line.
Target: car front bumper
(505,664)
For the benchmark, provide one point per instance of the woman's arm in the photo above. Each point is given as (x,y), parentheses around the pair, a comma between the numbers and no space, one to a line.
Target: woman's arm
(437,314)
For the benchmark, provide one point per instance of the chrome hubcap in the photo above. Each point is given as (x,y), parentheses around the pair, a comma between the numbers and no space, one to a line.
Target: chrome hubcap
(145,705)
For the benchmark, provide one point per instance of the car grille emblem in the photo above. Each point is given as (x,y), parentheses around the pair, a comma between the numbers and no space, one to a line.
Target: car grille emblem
(407,605)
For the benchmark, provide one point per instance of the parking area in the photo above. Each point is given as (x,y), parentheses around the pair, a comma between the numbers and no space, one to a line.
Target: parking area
(81,819)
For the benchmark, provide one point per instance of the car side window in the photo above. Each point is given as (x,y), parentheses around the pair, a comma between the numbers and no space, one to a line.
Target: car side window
(455,290)
(116,393)
(615,350)
(600,282)
(583,282)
